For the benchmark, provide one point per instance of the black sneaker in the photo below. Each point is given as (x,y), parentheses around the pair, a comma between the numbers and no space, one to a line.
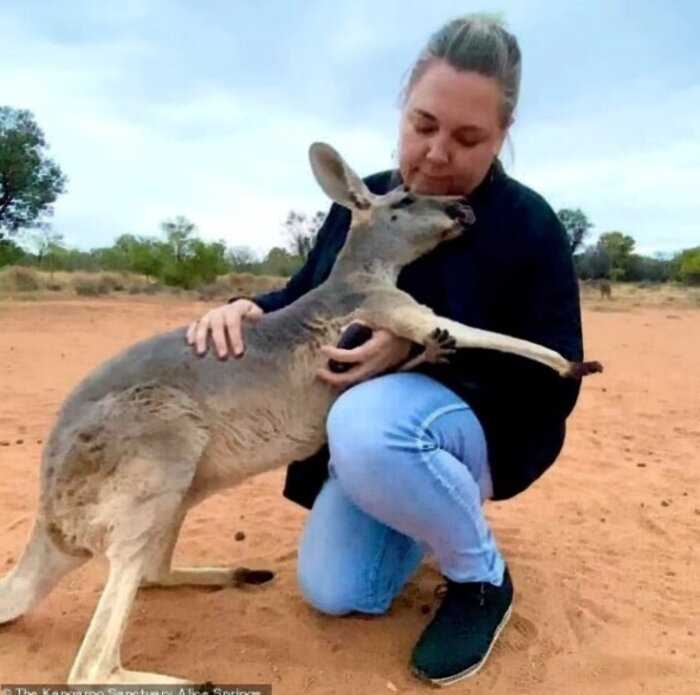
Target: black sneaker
(458,640)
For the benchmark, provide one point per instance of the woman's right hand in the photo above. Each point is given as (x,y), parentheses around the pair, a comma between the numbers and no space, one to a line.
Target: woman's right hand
(224,322)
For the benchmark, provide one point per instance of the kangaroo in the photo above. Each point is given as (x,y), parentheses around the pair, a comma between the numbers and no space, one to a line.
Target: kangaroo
(155,430)
(605,289)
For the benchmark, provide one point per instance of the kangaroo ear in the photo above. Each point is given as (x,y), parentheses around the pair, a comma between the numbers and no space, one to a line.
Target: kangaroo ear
(337,179)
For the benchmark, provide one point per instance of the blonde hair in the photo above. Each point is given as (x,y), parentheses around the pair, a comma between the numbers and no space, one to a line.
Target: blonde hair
(475,43)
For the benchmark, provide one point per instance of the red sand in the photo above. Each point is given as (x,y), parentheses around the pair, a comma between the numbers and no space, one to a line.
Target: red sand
(603,549)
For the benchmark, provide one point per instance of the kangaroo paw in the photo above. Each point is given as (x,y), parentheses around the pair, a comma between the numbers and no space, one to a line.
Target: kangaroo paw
(580,369)
(439,346)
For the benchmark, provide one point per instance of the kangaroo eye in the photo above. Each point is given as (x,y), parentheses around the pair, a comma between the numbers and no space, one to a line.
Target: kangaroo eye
(404,202)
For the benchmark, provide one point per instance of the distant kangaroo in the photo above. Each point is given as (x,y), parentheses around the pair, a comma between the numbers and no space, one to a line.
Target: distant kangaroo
(155,430)
(605,289)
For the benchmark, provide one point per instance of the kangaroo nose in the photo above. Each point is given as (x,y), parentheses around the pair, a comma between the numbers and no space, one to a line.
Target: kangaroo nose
(461,213)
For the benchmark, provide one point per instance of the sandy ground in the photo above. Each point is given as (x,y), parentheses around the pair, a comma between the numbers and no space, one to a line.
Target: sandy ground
(603,550)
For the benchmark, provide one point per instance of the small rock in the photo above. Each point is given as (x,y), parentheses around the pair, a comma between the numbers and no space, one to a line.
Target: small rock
(641,465)
(9,560)
(602,519)
(665,503)
(39,441)
(239,536)
(20,441)
(392,687)
(697,511)
(4,443)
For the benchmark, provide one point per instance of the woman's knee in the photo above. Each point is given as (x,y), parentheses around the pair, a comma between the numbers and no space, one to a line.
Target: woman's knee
(326,594)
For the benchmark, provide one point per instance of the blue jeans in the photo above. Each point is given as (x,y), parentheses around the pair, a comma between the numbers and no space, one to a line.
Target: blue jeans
(408,476)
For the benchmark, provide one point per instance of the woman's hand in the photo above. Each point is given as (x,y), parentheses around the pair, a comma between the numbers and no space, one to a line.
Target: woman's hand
(224,322)
(382,351)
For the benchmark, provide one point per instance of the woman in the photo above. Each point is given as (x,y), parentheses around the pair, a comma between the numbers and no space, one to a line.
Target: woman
(413,456)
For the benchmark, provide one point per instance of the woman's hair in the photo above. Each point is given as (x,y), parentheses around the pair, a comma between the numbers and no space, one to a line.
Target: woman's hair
(475,43)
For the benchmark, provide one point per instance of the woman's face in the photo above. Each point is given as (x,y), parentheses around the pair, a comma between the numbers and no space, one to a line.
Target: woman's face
(450,131)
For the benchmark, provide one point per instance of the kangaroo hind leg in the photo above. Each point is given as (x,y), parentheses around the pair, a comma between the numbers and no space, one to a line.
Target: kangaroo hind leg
(98,659)
(160,573)
(140,503)
(139,522)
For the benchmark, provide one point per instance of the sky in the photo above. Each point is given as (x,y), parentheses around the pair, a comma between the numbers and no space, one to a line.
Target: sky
(158,108)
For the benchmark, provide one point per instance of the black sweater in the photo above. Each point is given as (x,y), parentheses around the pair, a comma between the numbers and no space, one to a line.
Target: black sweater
(511,272)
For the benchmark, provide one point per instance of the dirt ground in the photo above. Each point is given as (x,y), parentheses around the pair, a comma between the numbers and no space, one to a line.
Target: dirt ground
(603,549)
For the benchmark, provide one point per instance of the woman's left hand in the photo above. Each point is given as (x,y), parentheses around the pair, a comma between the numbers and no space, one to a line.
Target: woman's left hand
(381,352)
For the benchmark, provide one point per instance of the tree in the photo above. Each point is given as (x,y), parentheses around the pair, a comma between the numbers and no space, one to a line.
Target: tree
(689,266)
(10,253)
(139,254)
(593,263)
(576,225)
(619,248)
(648,269)
(204,262)
(241,259)
(148,257)
(43,242)
(188,261)
(301,231)
(179,233)
(280,262)
(30,182)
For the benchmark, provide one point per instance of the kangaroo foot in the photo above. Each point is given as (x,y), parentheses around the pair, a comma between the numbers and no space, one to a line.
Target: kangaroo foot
(122,676)
(210,576)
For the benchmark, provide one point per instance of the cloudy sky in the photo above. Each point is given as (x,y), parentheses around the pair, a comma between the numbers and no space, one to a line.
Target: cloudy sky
(155,108)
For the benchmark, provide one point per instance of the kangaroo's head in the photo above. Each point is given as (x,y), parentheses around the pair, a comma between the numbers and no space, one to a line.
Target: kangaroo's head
(397,227)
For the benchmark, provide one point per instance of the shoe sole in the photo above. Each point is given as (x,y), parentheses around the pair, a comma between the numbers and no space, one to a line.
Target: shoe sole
(472,670)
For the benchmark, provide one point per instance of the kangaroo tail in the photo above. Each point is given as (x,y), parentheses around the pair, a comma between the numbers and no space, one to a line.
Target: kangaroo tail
(40,568)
